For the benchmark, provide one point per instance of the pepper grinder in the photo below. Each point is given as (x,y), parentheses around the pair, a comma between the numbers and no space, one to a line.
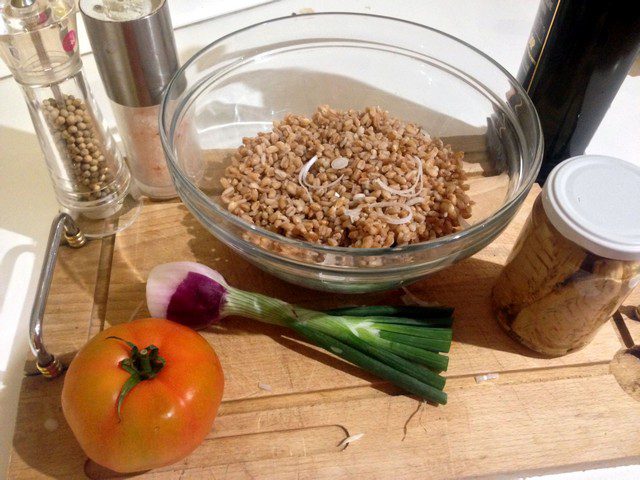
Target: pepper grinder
(135,51)
(38,42)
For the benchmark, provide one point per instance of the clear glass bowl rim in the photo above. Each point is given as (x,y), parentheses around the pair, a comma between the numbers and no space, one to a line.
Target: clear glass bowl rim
(474,230)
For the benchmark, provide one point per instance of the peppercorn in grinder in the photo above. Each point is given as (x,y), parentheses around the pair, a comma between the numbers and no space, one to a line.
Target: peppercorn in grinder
(38,42)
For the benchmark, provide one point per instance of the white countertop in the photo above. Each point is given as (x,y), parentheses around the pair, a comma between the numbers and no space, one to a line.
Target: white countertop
(500,28)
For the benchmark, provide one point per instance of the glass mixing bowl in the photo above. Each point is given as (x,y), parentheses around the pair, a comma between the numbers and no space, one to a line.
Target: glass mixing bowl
(238,85)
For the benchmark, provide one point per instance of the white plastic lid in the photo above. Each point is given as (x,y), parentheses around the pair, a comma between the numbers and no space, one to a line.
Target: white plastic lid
(594,201)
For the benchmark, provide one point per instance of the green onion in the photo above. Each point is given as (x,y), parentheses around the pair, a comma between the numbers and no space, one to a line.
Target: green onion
(417,313)
(415,331)
(400,344)
(434,361)
(363,337)
(372,365)
(425,343)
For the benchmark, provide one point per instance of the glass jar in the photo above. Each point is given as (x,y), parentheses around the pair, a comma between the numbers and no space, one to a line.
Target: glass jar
(136,56)
(139,130)
(577,257)
(38,42)
(86,168)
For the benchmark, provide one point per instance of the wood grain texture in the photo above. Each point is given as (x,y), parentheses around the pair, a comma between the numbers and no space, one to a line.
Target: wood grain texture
(539,414)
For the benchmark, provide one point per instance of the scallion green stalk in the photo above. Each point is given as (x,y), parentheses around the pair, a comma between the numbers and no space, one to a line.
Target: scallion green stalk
(433,345)
(407,311)
(378,368)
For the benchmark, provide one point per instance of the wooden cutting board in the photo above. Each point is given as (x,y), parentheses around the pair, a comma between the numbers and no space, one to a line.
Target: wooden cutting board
(539,414)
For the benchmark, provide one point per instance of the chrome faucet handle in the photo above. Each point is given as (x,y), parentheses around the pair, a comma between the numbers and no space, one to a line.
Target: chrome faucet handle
(63,227)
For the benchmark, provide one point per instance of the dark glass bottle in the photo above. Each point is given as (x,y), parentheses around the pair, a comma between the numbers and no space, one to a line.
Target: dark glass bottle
(578,55)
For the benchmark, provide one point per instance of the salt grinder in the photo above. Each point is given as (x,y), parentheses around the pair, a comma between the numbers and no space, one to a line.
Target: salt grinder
(135,51)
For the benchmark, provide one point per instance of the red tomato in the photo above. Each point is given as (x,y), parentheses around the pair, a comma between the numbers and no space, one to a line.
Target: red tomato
(162,418)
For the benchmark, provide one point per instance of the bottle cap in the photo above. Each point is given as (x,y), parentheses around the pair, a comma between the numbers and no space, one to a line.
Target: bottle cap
(594,201)
(134,48)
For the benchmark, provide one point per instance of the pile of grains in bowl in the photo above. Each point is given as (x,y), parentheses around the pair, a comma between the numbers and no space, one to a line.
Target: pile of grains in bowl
(348,178)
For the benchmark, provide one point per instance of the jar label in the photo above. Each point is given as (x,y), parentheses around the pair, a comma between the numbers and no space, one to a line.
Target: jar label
(69,41)
(542,26)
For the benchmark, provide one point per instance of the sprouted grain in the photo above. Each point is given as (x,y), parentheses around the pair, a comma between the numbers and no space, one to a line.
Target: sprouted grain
(348,178)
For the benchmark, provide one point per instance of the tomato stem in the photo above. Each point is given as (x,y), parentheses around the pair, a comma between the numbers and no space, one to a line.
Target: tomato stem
(142,365)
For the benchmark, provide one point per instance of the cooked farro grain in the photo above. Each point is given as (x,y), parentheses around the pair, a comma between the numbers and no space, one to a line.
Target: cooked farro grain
(348,178)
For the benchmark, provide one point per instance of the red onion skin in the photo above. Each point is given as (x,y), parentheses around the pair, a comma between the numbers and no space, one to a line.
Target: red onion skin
(197,302)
